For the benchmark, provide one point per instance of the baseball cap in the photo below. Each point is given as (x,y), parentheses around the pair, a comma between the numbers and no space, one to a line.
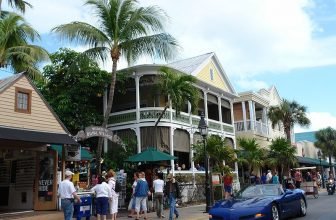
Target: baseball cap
(68,173)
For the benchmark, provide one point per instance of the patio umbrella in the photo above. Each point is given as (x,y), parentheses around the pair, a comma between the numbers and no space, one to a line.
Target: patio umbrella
(150,155)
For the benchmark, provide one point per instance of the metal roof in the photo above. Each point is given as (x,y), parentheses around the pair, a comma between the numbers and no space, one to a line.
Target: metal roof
(305,136)
(189,65)
(4,83)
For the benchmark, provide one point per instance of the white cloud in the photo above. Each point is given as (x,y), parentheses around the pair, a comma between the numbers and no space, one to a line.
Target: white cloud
(318,121)
(248,84)
(249,36)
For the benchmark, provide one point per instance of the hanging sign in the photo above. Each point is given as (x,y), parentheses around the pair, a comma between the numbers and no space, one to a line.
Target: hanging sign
(94,131)
(72,153)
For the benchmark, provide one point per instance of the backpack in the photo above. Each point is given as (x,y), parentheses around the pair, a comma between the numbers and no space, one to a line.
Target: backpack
(117,187)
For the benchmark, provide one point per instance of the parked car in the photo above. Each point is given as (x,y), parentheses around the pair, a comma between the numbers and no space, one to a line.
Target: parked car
(264,202)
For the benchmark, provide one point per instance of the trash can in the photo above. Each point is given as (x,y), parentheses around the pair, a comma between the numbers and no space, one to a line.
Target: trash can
(83,209)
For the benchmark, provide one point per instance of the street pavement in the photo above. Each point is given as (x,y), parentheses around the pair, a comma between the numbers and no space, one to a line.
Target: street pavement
(322,208)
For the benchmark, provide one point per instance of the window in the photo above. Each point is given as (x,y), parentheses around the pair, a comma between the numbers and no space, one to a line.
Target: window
(211,74)
(23,100)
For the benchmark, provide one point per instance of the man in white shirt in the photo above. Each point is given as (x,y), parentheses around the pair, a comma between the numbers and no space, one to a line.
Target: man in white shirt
(269,176)
(67,191)
(158,185)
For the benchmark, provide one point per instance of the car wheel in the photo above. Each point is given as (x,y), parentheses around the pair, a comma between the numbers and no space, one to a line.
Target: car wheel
(303,207)
(275,212)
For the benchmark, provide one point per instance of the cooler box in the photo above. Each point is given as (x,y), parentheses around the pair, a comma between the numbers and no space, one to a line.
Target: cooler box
(83,209)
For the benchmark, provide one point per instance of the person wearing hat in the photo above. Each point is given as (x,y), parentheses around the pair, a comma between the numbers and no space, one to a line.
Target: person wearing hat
(67,191)
(172,191)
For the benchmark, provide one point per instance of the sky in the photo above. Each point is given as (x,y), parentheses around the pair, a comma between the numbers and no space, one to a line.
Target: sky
(260,43)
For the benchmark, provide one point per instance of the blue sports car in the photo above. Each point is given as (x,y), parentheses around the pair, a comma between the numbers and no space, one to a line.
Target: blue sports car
(262,202)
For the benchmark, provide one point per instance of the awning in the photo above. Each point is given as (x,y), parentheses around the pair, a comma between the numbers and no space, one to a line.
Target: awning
(312,161)
(85,154)
(35,136)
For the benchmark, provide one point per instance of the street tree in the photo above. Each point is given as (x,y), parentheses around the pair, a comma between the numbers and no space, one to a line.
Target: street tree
(251,152)
(288,113)
(326,141)
(17,4)
(125,30)
(282,154)
(218,152)
(73,86)
(16,51)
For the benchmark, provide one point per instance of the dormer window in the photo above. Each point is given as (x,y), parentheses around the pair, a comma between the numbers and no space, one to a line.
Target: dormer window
(23,100)
(211,74)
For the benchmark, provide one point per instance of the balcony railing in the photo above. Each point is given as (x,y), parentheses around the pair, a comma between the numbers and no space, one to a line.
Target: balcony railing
(259,127)
(152,114)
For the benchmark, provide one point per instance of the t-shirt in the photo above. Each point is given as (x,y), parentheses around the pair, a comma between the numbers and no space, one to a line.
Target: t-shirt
(298,177)
(158,185)
(112,185)
(102,190)
(66,189)
(227,179)
(269,177)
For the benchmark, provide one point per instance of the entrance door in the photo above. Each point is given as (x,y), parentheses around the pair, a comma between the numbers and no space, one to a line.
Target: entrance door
(45,195)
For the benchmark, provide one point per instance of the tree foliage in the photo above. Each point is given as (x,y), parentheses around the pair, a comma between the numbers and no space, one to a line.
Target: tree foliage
(282,154)
(217,150)
(17,4)
(326,141)
(74,87)
(251,153)
(288,113)
(16,50)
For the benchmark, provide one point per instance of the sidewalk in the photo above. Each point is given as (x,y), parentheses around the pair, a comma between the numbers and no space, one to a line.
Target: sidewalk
(186,213)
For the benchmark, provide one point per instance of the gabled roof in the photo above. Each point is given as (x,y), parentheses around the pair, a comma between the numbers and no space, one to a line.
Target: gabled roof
(305,136)
(189,65)
(193,65)
(6,82)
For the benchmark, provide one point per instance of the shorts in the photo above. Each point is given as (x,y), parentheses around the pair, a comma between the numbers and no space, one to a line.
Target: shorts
(102,204)
(228,189)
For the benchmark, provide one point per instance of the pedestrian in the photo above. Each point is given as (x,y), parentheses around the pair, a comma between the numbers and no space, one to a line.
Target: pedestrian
(111,180)
(199,167)
(103,195)
(67,191)
(172,191)
(275,178)
(263,178)
(298,179)
(227,180)
(158,185)
(131,206)
(269,176)
(141,193)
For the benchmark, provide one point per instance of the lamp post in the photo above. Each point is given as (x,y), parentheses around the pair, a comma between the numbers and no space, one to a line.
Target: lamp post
(203,129)
(319,155)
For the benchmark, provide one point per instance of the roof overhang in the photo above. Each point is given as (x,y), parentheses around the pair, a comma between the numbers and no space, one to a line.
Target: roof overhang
(10,135)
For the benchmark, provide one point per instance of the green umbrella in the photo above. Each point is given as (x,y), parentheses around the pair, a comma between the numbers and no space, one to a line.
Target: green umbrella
(150,155)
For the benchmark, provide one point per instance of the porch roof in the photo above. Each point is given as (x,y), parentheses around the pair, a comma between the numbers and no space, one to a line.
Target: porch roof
(312,161)
(12,134)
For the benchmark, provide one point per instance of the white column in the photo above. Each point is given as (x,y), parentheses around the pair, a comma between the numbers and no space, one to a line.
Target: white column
(220,111)
(104,107)
(205,106)
(172,149)
(244,115)
(232,114)
(265,119)
(137,97)
(251,114)
(192,164)
(236,164)
(138,135)
(170,110)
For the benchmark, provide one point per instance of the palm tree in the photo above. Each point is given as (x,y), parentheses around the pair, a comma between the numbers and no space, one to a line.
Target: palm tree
(18,4)
(282,154)
(16,52)
(289,114)
(251,152)
(326,141)
(218,152)
(179,88)
(124,30)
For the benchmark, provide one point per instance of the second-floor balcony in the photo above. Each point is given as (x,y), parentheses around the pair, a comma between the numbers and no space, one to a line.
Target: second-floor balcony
(151,115)
(252,126)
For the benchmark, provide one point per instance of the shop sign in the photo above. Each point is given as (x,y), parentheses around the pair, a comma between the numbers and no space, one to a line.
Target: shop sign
(94,131)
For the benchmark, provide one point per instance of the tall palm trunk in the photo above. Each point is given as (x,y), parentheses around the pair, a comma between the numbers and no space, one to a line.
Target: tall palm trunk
(107,111)
(288,133)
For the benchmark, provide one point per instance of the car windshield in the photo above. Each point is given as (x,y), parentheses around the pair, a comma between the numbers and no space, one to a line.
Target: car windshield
(261,190)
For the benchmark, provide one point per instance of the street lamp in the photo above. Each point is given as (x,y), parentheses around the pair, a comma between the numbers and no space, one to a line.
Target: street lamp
(203,129)
(319,155)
